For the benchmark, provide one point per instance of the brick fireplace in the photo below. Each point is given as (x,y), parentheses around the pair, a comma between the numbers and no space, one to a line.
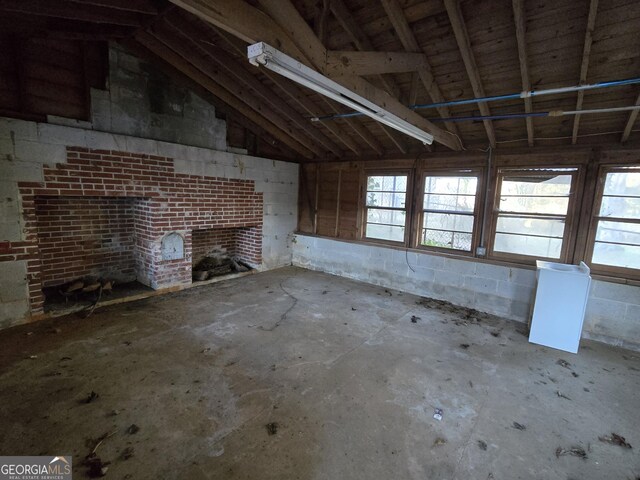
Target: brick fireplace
(130,216)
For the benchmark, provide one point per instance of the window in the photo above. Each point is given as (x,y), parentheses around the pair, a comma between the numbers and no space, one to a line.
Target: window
(448,211)
(385,207)
(532,207)
(615,230)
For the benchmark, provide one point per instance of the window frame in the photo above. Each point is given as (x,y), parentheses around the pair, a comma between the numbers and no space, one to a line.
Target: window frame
(598,268)
(571,217)
(363,208)
(477,211)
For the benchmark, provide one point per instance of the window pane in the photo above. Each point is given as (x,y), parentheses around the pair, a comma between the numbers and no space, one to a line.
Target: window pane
(437,238)
(392,217)
(622,183)
(383,199)
(621,207)
(535,185)
(448,184)
(537,226)
(460,203)
(524,204)
(389,183)
(385,232)
(625,256)
(528,245)
(618,232)
(448,221)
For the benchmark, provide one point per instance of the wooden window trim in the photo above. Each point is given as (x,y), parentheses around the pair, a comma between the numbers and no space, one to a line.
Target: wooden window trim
(477,212)
(600,269)
(571,217)
(362,206)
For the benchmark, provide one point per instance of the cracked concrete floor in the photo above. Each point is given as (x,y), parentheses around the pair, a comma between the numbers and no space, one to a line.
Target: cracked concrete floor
(337,365)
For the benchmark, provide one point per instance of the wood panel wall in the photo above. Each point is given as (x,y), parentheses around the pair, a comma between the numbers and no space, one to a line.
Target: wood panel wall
(40,77)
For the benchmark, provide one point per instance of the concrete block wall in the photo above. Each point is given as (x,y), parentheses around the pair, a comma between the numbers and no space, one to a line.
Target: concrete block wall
(27,147)
(141,101)
(613,310)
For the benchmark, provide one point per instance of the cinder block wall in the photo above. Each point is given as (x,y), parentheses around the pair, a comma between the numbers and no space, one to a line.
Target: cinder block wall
(613,310)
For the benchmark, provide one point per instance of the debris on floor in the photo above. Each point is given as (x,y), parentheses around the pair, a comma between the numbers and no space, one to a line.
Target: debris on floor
(127,453)
(562,395)
(439,441)
(272,428)
(97,468)
(414,319)
(482,444)
(91,397)
(519,426)
(615,439)
(464,346)
(437,414)
(133,429)
(563,363)
(575,451)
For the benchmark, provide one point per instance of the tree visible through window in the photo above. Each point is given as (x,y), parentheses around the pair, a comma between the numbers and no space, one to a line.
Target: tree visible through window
(617,224)
(386,211)
(532,208)
(448,211)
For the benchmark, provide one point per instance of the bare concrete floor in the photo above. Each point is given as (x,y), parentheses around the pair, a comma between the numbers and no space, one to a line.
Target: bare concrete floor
(349,381)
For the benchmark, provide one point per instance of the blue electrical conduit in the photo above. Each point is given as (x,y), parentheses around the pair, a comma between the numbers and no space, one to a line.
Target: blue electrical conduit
(495,98)
(551,113)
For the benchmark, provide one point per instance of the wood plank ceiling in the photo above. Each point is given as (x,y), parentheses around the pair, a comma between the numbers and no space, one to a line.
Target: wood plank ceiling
(447,50)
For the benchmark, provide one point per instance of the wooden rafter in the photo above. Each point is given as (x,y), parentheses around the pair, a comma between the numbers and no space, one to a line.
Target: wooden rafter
(584,66)
(226,62)
(179,62)
(184,46)
(373,63)
(521,29)
(630,121)
(251,24)
(362,42)
(290,89)
(464,45)
(140,6)
(410,44)
(72,11)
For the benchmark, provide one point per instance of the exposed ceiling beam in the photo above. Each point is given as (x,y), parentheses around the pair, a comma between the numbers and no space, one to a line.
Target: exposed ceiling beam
(72,11)
(251,24)
(222,109)
(632,119)
(293,91)
(362,42)
(521,30)
(226,62)
(584,66)
(146,7)
(410,43)
(179,62)
(372,63)
(464,45)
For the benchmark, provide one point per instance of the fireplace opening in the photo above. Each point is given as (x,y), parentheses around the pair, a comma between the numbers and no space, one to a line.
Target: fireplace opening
(224,251)
(87,249)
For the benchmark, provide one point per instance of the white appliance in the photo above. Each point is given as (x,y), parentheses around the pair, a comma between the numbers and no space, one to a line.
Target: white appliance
(561,300)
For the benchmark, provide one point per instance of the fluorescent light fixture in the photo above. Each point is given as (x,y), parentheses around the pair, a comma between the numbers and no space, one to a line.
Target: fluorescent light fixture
(261,54)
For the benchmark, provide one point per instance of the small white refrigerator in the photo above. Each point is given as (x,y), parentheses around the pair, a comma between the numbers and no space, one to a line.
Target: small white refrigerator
(560,303)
